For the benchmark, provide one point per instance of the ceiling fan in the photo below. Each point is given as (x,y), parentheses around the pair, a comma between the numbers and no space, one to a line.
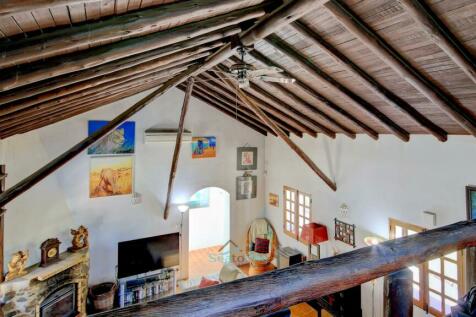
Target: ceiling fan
(243,72)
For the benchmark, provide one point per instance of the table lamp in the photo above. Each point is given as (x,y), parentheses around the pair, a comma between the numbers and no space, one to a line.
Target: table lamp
(313,234)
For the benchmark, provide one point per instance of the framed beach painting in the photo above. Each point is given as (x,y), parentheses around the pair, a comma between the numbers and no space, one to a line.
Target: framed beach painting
(471,202)
(204,147)
(119,141)
(110,176)
(247,158)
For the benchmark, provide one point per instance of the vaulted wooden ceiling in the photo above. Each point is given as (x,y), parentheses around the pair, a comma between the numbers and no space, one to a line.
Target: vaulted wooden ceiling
(371,66)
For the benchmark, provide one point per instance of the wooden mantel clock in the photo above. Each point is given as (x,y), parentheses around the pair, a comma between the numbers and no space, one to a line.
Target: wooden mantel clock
(49,252)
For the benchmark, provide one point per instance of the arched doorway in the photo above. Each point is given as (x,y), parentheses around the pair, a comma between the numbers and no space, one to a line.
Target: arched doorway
(209,230)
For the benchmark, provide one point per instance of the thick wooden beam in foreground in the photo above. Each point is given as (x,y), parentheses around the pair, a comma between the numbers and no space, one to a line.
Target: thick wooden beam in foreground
(178,145)
(283,15)
(369,81)
(313,69)
(257,110)
(272,291)
(441,36)
(353,23)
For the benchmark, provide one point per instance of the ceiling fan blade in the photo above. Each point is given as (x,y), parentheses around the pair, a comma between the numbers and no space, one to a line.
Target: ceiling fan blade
(265,71)
(282,80)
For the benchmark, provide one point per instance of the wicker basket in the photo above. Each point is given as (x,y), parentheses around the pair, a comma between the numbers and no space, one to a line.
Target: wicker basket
(102,296)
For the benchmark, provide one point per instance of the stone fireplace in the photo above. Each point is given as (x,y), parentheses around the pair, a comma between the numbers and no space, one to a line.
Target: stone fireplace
(59,289)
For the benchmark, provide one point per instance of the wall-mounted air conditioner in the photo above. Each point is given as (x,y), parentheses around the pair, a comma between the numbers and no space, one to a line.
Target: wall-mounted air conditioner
(165,136)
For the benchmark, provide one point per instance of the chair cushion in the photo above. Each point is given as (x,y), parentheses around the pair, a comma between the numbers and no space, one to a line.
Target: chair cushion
(261,245)
(205,282)
(229,272)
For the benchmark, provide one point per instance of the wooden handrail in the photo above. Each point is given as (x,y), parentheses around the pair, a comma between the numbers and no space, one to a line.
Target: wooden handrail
(272,291)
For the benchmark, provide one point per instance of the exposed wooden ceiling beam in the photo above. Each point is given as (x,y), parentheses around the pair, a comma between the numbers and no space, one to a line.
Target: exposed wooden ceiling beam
(148,67)
(178,145)
(283,15)
(260,113)
(311,68)
(316,95)
(113,29)
(9,7)
(441,35)
(268,108)
(400,65)
(369,81)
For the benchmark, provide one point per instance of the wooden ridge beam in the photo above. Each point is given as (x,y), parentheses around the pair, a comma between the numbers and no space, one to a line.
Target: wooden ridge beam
(441,35)
(400,65)
(278,289)
(149,67)
(272,111)
(178,144)
(316,95)
(113,29)
(281,16)
(370,82)
(310,67)
(225,24)
(260,113)
(207,91)
(179,50)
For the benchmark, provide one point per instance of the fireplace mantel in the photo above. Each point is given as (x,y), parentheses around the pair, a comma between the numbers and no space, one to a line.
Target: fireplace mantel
(24,295)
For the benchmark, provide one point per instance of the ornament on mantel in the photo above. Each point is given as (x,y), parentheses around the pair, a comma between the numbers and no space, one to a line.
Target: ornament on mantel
(80,239)
(16,266)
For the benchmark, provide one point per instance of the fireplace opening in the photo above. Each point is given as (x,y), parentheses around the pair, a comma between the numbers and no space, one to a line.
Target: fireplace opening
(60,303)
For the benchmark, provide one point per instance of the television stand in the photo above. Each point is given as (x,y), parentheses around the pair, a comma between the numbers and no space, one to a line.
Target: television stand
(147,287)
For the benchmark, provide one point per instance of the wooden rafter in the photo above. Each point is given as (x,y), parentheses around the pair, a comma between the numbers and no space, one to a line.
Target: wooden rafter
(400,65)
(178,145)
(3,175)
(441,36)
(369,81)
(270,123)
(310,67)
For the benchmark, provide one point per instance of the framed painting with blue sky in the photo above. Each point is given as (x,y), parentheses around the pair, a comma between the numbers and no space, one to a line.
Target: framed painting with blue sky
(471,202)
(119,141)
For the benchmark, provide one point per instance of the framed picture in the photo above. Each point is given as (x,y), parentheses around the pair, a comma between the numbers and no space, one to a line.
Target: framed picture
(119,141)
(273,199)
(204,147)
(471,202)
(246,187)
(247,158)
(110,176)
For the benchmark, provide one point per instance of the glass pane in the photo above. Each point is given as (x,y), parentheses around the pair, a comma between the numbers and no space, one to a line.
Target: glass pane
(293,206)
(288,205)
(288,194)
(306,221)
(288,226)
(451,289)
(435,301)
(416,291)
(301,199)
(292,218)
(435,265)
(308,201)
(448,305)
(453,256)
(301,221)
(293,196)
(292,228)
(435,282)
(307,214)
(398,232)
(416,273)
(411,232)
(301,210)
(451,270)
(288,216)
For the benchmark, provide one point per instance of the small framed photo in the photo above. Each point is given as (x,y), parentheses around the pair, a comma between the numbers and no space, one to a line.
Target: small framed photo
(247,158)
(471,202)
(246,187)
(273,199)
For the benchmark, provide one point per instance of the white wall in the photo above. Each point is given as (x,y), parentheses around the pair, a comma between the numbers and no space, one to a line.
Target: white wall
(61,202)
(210,226)
(377,180)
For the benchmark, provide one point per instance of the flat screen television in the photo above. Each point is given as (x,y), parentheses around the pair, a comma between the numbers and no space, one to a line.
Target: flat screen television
(147,254)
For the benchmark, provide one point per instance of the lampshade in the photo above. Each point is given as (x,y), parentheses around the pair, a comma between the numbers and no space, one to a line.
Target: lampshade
(182,208)
(314,233)
(373,240)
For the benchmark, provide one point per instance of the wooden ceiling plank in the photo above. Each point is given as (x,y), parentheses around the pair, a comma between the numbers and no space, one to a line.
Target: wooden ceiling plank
(441,35)
(260,113)
(178,145)
(369,81)
(134,24)
(311,68)
(223,90)
(281,16)
(163,63)
(9,7)
(400,65)
(316,95)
